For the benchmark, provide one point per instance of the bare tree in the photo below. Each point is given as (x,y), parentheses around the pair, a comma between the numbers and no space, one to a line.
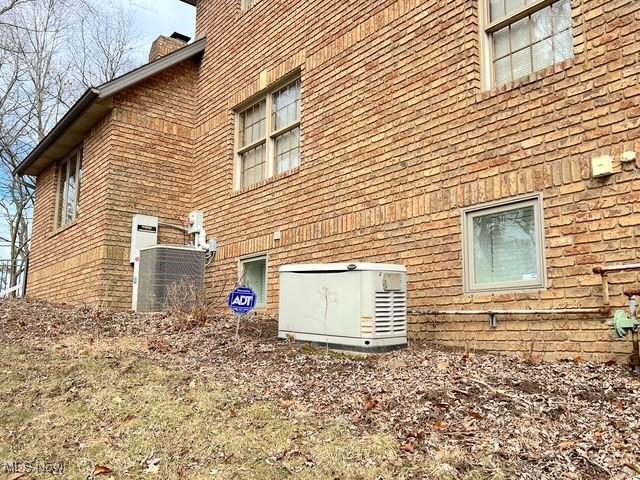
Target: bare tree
(8,5)
(50,51)
(103,47)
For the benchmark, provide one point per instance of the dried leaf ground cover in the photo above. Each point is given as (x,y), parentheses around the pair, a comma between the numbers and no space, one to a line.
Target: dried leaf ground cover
(135,396)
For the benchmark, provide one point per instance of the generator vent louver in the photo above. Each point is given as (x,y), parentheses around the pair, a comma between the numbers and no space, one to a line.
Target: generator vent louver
(168,275)
(391,313)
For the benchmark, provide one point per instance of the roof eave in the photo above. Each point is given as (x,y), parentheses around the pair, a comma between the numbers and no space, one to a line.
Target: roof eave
(142,73)
(96,102)
(69,118)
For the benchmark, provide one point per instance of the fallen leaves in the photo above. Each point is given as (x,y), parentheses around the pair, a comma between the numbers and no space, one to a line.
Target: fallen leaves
(408,447)
(440,426)
(151,464)
(548,421)
(370,404)
(286,404)
(566,445)
(101,470)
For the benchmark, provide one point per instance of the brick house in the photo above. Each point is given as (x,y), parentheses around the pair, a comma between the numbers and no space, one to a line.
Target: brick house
(488,145)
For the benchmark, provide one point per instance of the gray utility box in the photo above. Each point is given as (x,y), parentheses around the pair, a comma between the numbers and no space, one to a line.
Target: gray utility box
(358,306)
(166,276)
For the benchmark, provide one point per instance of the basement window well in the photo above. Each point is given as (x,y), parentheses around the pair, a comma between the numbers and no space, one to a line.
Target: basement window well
(253,274)
(504,246)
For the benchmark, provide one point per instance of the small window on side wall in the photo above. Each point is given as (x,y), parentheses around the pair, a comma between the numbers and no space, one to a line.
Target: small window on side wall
(504,246)
(253,273)
(68,195)
(525,36)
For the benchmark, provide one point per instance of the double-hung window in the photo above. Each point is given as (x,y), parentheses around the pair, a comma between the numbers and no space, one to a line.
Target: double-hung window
(525,36)
(504,246)
(269,136)
(68,195)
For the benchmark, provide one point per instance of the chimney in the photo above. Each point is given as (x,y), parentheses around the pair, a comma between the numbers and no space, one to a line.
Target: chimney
(165,45)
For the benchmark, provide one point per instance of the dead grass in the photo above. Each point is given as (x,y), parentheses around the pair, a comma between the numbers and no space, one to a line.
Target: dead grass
(148,399)
(112,407)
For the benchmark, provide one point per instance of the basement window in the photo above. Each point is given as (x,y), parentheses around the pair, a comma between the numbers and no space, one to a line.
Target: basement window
(68,195)
(525,36)
(268,136)
(504,246)
(253,274)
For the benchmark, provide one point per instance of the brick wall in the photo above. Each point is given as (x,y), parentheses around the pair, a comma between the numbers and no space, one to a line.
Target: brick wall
(398,136)
(66,265)
(152,155)
(136,160)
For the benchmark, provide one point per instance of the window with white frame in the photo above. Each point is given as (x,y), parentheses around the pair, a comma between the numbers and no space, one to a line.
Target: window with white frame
(268,140)
(525,36)
(68,195)
(247,4)
(253,273)
(504,246)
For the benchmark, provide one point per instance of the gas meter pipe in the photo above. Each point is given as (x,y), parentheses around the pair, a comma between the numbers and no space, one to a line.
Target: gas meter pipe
(604,270)
(492,313)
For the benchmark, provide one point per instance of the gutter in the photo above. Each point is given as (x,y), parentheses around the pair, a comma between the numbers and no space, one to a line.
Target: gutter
(71,116)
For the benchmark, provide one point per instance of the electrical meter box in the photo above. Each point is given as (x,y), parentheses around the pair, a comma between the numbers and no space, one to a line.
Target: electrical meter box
(356,306)
(144,233)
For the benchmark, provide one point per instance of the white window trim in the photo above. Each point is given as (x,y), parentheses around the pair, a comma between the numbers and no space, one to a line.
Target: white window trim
(59,222)
(256,258)
(245,4)
(487,29)
(270,135)
(470,288)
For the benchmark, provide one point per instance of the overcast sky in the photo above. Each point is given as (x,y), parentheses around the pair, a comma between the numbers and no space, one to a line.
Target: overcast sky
(161,17)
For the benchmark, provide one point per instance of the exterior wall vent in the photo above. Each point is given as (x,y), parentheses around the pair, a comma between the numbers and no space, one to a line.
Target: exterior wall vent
(166,275)
(356,306)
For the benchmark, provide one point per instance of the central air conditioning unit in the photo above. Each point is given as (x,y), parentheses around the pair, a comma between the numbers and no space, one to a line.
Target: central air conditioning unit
(166,276)
(358,306)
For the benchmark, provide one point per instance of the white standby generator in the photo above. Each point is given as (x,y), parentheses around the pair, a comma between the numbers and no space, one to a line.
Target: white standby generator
(357,306)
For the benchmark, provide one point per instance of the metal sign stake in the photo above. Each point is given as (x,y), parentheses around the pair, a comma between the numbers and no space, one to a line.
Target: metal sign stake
(242,301)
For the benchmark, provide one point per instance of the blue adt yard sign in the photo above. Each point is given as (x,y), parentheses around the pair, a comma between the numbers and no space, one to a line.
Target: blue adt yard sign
(242,300)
